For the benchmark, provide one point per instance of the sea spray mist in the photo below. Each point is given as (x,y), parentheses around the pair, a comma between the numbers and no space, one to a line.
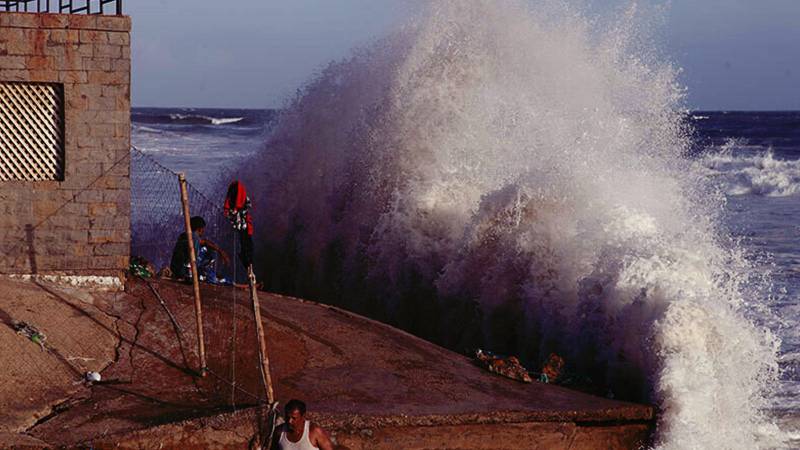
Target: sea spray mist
(512,176)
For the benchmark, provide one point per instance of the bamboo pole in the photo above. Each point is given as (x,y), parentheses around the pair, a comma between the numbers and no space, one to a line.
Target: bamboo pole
(198,309)
(263,358)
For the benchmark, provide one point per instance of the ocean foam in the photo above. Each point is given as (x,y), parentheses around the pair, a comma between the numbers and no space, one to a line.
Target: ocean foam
(754,173)
(199,119)
(511,177)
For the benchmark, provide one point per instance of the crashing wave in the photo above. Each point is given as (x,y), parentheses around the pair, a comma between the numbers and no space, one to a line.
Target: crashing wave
(511,177)
(753,173)
(197,119)
(184,119)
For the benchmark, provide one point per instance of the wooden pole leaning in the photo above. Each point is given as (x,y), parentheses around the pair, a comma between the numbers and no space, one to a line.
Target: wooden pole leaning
(263,358)
(198,309)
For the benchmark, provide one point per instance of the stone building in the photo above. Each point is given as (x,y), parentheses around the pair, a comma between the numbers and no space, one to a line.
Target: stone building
(65,143)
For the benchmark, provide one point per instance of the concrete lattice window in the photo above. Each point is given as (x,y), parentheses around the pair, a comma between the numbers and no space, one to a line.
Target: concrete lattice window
(31,131)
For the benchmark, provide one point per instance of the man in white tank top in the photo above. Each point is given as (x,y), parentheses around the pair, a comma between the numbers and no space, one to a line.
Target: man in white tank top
(297,433)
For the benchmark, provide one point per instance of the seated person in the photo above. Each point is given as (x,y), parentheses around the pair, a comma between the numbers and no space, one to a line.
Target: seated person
(204,251)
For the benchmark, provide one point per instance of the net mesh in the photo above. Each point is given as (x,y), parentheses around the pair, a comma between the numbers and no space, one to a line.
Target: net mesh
(156,222)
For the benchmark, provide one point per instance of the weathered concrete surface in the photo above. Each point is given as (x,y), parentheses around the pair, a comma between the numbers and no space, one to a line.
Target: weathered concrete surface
(233,431)
(79,338)
(371,385)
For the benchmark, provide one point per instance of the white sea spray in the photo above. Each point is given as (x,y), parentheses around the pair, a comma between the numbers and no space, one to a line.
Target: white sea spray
(513,176)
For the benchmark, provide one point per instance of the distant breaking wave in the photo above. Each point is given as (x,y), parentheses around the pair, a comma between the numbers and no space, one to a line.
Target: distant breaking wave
(753,173)
(513,177)
(186,119)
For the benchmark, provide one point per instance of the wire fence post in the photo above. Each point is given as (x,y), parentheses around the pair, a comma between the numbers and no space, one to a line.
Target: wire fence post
(263,358)
(195,281)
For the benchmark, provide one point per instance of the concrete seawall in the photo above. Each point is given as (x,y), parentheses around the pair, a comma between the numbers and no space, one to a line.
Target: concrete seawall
(370,385)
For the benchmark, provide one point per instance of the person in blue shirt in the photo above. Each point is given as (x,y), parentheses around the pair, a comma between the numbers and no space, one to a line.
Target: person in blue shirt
(204,250)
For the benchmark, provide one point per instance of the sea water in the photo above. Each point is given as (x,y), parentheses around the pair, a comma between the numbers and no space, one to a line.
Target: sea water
(529,181)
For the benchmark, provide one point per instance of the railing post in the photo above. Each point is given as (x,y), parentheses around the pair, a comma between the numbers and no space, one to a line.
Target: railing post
(198,309)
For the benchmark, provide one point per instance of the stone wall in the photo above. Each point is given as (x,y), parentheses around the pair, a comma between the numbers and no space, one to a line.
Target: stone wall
(79,226)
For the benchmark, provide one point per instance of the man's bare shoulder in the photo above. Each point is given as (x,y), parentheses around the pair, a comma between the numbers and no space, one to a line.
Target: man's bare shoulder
(315,430)
(319,437)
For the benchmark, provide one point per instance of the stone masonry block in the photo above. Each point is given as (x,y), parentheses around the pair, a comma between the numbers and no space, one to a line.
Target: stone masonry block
(123,153)
(102,209)
(82,172)
(82,21)
(109,223)
(57,37)
(102,64)
(117,170)
(124,103)
(43,209)
(40,63)
(114,90)
(90,90)
(93,37)
(13,75)
(103,104)
(109,77)
(122,65)
(16,42)
(43,76)
(71,49)
(116,117)
(37,39)
(121,38)
(73,236)
(114,23)
(86,50)
(12,62)
(76,262)
(116,195)
(102,261)
(51,248)
(19,20)
(75,101)
(67,222)
(86,142)
(112,144)
(124,207)
(98,130)
(58,21)
(74,76)
(69,61)
(74,117)
(124,259)
(8,34)
(111,249)
(90,196)
(57,49)
(75,209)
(74,36)
(123,131)
(109,236)
(107,51)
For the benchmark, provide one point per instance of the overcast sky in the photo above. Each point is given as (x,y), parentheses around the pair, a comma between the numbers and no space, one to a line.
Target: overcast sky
(735,54)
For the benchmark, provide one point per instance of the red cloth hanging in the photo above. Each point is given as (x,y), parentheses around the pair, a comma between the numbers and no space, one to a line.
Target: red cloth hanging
(237,203)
